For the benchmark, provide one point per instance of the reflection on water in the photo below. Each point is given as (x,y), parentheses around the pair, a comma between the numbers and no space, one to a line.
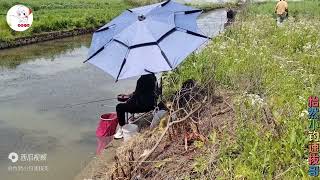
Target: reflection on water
(48,78)
(11,58)
(36,79)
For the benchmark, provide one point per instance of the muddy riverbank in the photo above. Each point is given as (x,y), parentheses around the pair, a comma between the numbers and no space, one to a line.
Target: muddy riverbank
(44,37)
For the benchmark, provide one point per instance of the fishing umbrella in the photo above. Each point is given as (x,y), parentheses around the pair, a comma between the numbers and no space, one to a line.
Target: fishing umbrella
(148,39)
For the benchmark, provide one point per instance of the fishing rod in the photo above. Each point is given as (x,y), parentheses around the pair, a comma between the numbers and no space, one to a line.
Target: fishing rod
(8,99)
(79,104)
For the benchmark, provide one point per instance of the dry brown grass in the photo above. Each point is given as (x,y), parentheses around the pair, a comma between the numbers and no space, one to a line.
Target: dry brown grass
(173,158)
(170,150)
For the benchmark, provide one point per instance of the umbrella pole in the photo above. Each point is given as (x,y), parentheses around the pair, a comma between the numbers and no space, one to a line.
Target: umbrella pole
(161,88)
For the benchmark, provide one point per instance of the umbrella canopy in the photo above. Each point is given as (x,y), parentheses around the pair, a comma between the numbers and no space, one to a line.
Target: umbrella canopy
(148,39)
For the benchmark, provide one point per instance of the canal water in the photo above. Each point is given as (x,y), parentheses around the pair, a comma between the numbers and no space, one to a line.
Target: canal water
(38,83)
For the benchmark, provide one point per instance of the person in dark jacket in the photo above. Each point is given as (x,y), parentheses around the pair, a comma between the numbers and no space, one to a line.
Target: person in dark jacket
(230,14)
(143,99)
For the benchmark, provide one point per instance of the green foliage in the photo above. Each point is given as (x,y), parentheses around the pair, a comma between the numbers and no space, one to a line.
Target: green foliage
(268,66)
(213,137)
(212,6)
(199,144)
(308,8)
(200,164)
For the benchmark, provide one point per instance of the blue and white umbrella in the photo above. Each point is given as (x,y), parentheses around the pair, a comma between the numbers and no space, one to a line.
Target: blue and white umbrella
(148,39)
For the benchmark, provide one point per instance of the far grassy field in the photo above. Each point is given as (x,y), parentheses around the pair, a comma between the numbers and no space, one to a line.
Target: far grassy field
(271,69)
(54,15)
(57,15)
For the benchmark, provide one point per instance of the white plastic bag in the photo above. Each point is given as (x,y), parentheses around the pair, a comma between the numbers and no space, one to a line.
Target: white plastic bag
(157,116)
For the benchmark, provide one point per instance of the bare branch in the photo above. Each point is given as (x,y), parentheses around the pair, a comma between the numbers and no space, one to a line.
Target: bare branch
(165,131)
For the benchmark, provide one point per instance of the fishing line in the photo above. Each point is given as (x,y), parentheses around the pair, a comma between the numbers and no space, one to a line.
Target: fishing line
(7,100)
(79,104)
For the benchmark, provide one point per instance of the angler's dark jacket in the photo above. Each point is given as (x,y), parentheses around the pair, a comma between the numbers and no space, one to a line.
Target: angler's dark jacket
(145,95)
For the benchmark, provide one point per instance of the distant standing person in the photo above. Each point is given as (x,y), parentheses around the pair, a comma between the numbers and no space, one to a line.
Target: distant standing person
(230,14)
(282,11)
(230,17)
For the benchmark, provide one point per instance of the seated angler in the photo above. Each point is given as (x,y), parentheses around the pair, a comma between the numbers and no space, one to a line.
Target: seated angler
(143,99)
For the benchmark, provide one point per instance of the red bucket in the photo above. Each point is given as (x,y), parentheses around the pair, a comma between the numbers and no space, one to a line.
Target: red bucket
(107,125)
(106,129)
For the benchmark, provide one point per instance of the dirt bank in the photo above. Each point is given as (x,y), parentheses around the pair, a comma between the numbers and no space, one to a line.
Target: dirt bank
(44,37)
(175,153)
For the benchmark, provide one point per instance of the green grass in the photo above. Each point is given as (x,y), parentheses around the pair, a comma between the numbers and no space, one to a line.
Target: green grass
(56,15)
(212,6)
(309,8)
(267,67)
